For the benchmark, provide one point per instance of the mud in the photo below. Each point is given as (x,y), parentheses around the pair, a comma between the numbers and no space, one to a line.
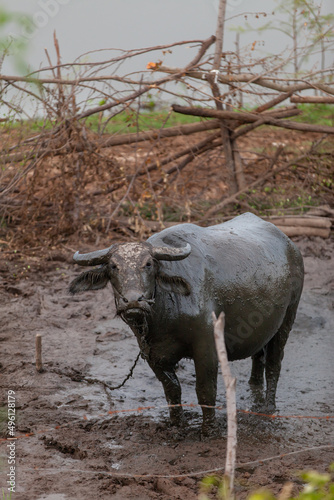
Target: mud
(80,451)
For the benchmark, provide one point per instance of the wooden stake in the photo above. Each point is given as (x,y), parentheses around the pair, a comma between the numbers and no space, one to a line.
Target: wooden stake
(39,364)
(230,383)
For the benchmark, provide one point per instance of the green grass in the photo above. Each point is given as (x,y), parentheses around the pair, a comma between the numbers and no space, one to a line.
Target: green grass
(125,122)
(130,121)
(320,114)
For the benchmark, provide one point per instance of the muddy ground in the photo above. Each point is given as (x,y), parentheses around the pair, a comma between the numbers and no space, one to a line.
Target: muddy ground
(80,451)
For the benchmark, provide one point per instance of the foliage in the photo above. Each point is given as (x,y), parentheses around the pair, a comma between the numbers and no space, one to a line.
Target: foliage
(317,486)
(308,30)
(217,485)
(3,420)
(6,496)
(13,45)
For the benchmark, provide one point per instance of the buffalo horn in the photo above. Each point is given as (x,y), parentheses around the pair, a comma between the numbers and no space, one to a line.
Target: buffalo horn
(171,253)
(92,258)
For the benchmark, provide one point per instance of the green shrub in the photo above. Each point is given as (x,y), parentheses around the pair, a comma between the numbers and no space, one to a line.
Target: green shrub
(318,486)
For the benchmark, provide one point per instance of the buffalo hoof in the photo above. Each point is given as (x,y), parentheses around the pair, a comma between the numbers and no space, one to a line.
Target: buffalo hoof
(210,430)
(269,408)
(178,419)
(264,408)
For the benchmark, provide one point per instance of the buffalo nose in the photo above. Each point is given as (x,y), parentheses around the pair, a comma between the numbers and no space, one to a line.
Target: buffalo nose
(132,296)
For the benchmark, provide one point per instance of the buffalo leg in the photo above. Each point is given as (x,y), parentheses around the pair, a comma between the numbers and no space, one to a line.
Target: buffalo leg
(206,367)
(258,365)
(172,389)
(275,353)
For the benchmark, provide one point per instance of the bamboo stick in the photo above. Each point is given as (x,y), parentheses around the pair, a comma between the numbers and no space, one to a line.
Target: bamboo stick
(231,405)
(39,363)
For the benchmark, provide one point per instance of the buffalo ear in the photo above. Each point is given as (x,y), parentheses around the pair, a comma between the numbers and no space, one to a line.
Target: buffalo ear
(174,284)
(95,279)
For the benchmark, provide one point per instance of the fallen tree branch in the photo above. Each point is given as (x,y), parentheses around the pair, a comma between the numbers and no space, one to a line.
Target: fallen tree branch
(244,129)
(304,231)
(148,135)
(304,221)
(273,102)
(252,117)
(312,99)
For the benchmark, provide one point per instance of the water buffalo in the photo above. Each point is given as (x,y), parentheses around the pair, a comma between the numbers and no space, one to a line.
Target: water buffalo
(166,288)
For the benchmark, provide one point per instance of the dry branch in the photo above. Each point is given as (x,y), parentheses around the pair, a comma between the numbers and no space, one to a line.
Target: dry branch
(244,129)
(252,79)
(148,87)
(205,45)
(273,102)
(252,117)
(144,89)
(149,135)
(305,221)
(304,231)
(303,226)
(312,99)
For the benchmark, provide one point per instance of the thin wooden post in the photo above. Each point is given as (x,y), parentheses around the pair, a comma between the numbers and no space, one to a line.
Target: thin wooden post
(230,384)
(39,364)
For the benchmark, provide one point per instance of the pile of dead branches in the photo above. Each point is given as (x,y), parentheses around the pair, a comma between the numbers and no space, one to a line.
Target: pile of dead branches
(68,178)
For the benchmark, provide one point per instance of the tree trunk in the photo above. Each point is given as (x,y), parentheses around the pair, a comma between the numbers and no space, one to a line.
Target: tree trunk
(225,133)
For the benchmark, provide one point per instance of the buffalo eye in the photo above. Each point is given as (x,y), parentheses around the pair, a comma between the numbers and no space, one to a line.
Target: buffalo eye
(113,266)
(148,265)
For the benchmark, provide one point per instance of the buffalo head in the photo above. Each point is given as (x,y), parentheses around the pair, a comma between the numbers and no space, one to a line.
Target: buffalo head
(134,271)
